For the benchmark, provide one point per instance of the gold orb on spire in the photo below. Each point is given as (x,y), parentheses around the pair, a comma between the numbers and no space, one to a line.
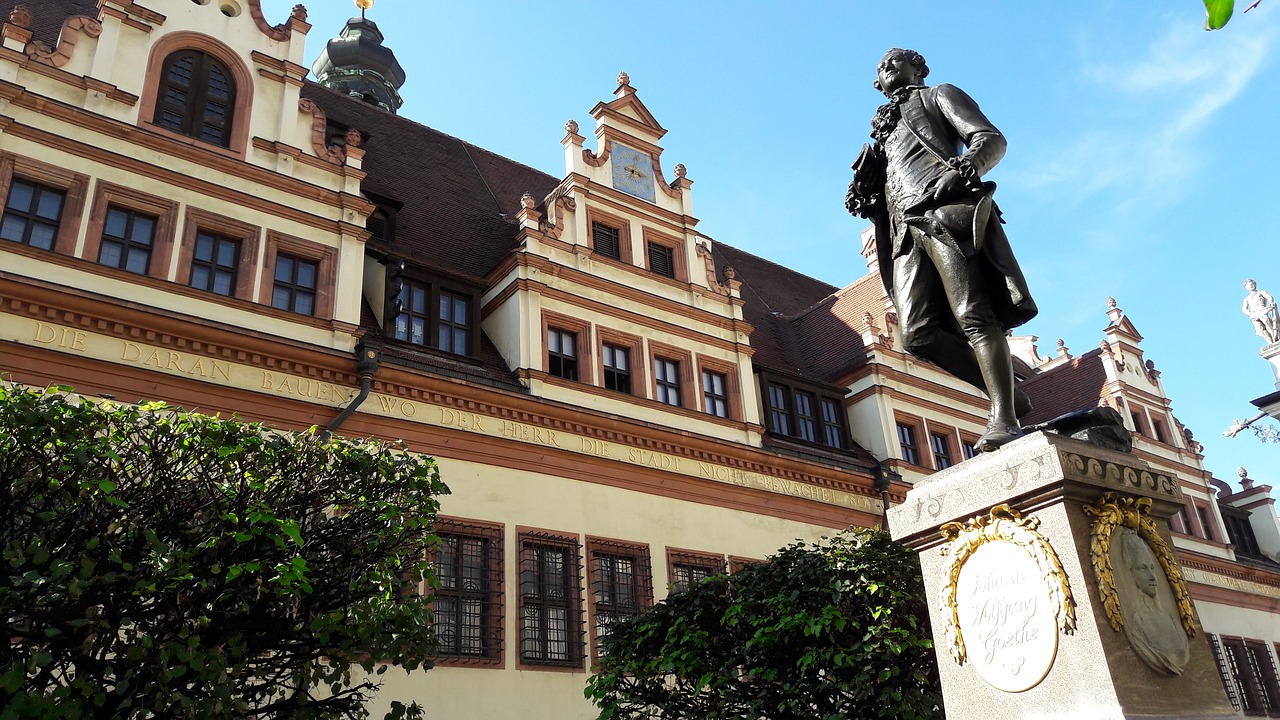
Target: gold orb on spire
(364,4)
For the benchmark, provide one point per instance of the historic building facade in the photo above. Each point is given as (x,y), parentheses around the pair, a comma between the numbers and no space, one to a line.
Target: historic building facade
(620,404)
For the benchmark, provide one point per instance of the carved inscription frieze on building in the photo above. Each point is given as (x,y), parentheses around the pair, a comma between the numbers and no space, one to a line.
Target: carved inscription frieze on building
(1140,582)
(1005,598)
(196,366)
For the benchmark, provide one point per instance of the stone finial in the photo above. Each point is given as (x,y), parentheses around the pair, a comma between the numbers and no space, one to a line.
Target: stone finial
(1111,303)
(1062,348)
(730,273)
(20,16)
(571,127)
(1246,482)
(681,170)
(1151,366)
(353,138)
(624,79)
(299,12)
(527,201)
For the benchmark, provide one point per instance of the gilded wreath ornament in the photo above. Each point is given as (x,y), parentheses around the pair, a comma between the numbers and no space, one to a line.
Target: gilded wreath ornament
(1111,511)
(1003,524)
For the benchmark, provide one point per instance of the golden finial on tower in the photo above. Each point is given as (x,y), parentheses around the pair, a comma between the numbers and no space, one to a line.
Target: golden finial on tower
(363,5)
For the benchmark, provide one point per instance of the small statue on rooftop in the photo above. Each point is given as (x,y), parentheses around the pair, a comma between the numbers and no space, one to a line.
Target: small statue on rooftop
(1260,308)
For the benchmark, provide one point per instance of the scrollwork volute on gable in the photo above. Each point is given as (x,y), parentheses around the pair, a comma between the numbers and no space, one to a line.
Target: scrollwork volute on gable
(72,28)
(319,139)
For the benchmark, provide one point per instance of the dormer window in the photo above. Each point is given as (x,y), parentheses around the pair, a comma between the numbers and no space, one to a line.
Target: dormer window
(434,316)
(196,97)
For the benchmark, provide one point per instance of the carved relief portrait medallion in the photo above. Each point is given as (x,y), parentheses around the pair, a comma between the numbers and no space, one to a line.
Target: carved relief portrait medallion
(1006,598)
(1140,583)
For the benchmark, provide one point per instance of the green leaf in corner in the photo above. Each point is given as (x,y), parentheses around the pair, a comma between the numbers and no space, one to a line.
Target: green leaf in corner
(1217,13)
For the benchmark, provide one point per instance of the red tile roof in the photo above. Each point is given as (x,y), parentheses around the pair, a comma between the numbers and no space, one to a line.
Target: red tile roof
(1074,385)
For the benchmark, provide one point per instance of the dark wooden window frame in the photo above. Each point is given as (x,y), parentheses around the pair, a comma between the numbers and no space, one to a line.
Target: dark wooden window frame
(434,288)
(822,429)
(534,646)
(325,257)
(909,453)
(162,243)
(240,73)
(732,386)
(584,346)
(685,365)
(623,226)
(74,185)
(679,269)
(193,111)
(491,596)
(32,217)
(634,346)
(196,221)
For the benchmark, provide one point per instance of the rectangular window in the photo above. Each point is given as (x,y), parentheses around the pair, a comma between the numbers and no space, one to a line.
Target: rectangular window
(32,214)
(1206,522)
(832,423)
(621,584)
(1178,522)
(1252,674)
(1240,531)
(806,421)
(715,394)
(779,409)
(686,568)
(562,354)
(1138,425)
(1157,426)
(454,333)
(605,240)
(295,284)
(413,322)
(941,450)
(214,263)
(551,626)
(666,375)
(617,368)
(661,259)
(907,441)
(968,449)
(468,603)
(127,239)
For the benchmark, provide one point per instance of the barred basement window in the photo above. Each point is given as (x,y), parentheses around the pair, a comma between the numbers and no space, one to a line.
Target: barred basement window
(621,585)
(604,239)
(687,569)
(1252,673)
(469,602)
(661,260)
(551,624)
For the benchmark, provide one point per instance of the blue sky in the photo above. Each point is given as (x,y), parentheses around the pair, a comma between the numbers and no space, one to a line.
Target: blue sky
(1142,164)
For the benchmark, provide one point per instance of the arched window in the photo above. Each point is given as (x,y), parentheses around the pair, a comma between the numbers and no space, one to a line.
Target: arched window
(196,97)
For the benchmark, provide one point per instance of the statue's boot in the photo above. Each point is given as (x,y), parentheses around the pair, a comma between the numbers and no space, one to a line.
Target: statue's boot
(996,365)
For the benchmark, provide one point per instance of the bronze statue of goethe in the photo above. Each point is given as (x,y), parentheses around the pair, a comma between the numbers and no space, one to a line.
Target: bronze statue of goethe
(943,254)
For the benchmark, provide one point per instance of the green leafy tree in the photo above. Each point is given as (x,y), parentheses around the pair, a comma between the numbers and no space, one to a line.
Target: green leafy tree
(832,631)
(163,564)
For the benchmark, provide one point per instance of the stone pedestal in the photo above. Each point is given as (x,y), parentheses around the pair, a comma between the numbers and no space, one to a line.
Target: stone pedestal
(1015,592)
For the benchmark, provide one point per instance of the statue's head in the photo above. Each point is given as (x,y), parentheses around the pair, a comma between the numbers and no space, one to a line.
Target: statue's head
(1250,285)
(900,68)
(1141,562)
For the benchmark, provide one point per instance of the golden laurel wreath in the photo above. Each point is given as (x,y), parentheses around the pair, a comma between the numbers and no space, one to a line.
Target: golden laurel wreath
(1111,511)
(1005,524)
